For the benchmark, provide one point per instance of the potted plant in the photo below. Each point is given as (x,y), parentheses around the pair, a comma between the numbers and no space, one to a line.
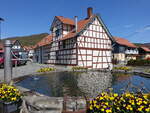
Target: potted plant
(10,99)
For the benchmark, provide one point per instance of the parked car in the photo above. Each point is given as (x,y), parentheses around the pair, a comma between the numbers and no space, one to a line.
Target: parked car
(14,61)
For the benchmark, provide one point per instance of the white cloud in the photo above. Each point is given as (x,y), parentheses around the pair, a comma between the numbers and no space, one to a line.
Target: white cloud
(141,30)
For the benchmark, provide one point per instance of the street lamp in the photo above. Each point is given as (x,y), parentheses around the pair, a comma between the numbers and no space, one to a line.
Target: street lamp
(1,19)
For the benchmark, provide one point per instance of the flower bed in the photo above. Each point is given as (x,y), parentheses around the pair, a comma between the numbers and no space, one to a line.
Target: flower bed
(125,103)
(123,68)
(46,69)
(148,70)
(78,68)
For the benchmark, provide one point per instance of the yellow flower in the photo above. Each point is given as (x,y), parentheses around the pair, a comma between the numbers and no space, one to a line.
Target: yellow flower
(112,98)
(147,109)
(94,102)
(118,108)
(97,106)
(90,102)
(106,103)
(102,109)
(101,98)
(14,98)
(108,111)
(145,102)
(115,94)
(129,107)
(91,108)
(139,103)
(104,106)
(140,108)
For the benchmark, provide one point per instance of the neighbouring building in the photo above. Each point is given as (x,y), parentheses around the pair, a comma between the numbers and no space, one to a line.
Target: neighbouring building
(17,49)
(144,52)
(42,50)
(86,43)
(30,50)
(123,50)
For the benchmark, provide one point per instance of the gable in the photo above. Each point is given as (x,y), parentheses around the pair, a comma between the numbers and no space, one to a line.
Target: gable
(55,23)
(84,24)
(96,28)
(17,45)
(96,20)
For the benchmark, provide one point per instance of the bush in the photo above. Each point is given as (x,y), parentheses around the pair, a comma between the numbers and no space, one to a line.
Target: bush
(46,69)
(123,68)
(125,103)
(76,68)
(9,93)
(147,70)
(148,58)
(139,62)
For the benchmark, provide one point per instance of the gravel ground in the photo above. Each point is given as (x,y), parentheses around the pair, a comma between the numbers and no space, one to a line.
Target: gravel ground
(29,68)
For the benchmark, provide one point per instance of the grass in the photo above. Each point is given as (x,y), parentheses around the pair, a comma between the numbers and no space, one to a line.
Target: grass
(29,40)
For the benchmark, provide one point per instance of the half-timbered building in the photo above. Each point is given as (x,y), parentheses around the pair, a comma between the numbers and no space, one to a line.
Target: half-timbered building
(86,43)
(123,50)
(42,50)
(144,52)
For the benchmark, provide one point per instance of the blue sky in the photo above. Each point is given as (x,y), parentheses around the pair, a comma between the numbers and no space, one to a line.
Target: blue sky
(129,19)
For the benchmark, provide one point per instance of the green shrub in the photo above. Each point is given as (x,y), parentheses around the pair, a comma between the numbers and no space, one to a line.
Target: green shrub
(139,62)
(147,70)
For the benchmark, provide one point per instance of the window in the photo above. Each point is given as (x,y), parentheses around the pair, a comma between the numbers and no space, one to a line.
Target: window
(57,32)
(64,44)
(57,55)
(48,56)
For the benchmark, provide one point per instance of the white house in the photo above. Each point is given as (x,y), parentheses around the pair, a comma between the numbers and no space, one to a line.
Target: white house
(86,43)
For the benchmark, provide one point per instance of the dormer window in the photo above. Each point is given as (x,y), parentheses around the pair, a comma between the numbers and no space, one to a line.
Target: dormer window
(57,32)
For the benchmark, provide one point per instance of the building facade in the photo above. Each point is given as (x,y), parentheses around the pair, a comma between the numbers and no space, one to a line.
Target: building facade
(144,52)
(86,43)
(124,50)
(42,50)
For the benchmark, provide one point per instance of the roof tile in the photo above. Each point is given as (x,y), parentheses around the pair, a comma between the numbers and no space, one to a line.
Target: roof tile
(81,25)
(45,41)
(65,20)
(124,42)
(145,48)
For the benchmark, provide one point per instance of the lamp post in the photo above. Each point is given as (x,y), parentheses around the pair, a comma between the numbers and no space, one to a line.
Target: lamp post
(1,19)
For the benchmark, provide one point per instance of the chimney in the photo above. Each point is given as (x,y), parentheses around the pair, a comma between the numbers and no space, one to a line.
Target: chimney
(76,23)
(89,12)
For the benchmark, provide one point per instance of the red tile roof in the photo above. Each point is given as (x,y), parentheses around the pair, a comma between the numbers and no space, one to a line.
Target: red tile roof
(145,48)
(81,25)
(28,47)
(45,41)
(124,42)
(65,20)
